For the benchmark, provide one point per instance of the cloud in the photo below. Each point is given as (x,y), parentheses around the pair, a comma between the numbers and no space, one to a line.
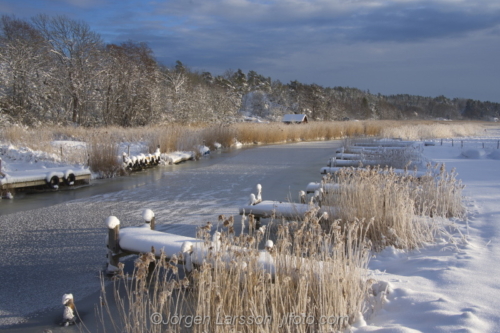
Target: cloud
(329,42)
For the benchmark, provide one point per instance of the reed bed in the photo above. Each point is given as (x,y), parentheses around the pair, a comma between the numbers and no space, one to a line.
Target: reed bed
(423,131)
(173,137)
(319,284)
(30,138)
(404,207)
(103,157)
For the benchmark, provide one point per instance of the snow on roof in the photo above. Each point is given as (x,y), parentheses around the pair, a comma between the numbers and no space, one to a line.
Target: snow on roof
(289,118)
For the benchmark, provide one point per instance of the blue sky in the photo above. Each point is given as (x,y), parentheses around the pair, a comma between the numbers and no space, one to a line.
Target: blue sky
(429,48)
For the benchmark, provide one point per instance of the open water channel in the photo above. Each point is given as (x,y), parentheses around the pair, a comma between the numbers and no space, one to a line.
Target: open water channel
(53,243)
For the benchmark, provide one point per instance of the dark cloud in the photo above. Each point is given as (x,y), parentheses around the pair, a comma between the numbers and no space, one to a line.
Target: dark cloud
(392,46)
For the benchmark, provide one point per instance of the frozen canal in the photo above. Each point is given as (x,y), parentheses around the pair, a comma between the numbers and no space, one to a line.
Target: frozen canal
(52,247)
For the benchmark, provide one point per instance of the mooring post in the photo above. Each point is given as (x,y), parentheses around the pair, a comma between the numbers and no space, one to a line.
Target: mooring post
(483,145)
(113,225)
(149,218)
(187,250)
(452,143)
(498,147)
(441,142)
(461,143)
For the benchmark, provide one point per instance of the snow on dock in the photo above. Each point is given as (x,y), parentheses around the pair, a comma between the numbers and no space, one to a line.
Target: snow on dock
(286,210)
(144,239)
(50,177)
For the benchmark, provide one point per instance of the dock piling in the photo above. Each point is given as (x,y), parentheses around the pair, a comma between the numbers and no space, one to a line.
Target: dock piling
(149,218)
(113,225)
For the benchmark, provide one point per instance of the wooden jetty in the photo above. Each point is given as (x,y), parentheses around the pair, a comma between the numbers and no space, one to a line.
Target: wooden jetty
(50,178)
(144,239)
(287,210)
(192,252)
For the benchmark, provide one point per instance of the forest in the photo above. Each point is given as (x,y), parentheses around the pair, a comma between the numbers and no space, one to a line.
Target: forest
(58,71)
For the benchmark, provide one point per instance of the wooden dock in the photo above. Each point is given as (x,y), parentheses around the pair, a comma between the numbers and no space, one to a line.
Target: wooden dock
(51,178)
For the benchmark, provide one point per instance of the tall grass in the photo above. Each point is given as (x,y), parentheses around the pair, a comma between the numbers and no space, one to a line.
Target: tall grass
(422,131)
(403,207)
(103,157)
(319,284)
(177,137)
(34,139)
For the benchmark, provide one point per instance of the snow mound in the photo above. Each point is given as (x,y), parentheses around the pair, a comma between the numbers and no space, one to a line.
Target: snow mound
(474,153)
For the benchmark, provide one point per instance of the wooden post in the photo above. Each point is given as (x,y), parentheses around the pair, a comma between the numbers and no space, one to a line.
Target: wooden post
(462,143)
(441,142)
(498,147)
(61,153)
(187,249)
(152,223)
(452,143)
(113,225)
(483,145)
(128,151)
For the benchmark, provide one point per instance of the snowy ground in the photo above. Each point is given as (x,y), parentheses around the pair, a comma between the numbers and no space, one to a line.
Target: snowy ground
(449,287)
(444,287)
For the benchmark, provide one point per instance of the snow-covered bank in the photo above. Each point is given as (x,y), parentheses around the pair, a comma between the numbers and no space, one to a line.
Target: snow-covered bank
(433,287)
(451,286)
(21,164)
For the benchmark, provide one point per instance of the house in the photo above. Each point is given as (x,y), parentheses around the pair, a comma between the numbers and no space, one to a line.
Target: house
(295,119)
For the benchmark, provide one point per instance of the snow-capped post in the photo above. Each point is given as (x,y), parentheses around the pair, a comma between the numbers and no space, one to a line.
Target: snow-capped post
(187,250)
(113,225)
(69,310)
(149,218)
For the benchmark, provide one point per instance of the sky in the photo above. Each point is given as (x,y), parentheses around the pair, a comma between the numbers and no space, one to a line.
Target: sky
(418,47)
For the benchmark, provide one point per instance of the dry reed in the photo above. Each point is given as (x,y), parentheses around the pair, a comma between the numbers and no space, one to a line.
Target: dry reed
(402,206)
(178,137)
(319,284)
(103,157)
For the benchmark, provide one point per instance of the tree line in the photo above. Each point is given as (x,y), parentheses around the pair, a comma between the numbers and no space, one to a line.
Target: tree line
(56,70)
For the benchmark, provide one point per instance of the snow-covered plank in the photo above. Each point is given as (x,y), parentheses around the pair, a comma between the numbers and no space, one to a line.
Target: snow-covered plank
(327,188)
(15,179)
(384,143)
(141,239)
(286,210)
(177,157)
(333,170)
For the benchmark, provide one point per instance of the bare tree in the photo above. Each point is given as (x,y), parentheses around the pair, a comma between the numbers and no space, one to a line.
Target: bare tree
(76,53)
(25,90)
(131,85)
